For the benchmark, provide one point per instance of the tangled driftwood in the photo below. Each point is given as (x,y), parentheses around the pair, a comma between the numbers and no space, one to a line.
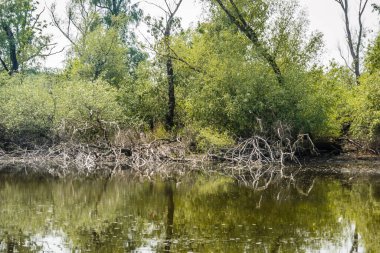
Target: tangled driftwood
(255,162)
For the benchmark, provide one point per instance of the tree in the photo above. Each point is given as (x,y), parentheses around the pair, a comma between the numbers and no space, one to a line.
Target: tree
(232,9)
(101,55)
(85,16)
(373,56)
(118,8)
(122,14)
(21,35)
(163,30)
(354,39)
(236,91)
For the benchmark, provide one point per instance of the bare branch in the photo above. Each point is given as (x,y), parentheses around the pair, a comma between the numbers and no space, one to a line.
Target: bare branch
(158,6)
(57,24)
(37,18)
(345,59)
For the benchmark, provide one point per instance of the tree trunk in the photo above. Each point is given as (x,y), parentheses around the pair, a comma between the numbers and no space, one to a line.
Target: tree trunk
(170,78)
(171,94)
(12,49)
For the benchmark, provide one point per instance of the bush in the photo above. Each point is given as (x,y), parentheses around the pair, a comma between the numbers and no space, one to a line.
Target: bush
(26,109)
(86,110)
(366,110)
(43,107)
(209,138)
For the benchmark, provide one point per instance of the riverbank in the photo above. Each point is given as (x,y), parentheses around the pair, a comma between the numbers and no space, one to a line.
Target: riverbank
(166,156)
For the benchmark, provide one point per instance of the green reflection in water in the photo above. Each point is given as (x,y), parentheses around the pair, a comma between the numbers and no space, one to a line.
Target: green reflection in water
(198,214)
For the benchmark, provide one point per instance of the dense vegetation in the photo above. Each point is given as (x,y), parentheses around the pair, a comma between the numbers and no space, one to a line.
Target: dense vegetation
(240,72)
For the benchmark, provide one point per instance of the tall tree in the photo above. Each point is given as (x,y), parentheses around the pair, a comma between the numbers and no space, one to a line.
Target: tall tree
(354,39)
(251,31)
(21,35)
(170,20)
(85,16)
(118,8)
(162,30)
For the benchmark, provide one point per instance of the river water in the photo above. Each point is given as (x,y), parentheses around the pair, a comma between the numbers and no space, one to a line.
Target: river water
(199,213)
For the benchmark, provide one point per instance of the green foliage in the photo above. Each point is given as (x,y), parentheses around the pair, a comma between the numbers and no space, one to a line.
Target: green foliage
(145,100)
(27,109)
(208,138)
(224,84)
(366,110)
(100,55)
(231,88)
(87,110)
(373,56)
(21,34)
(36,106)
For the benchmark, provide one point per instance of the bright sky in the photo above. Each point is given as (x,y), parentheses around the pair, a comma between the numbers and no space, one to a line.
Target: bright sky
(325,16)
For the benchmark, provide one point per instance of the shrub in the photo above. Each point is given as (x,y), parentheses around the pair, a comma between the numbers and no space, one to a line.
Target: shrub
(26,110)
(366,110)
(86,110)
(209,138)
(41,106)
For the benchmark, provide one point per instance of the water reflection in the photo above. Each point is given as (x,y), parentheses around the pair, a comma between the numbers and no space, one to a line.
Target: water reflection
(198,214)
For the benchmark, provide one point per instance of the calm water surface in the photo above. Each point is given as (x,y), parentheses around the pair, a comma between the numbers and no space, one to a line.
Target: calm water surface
(196,214)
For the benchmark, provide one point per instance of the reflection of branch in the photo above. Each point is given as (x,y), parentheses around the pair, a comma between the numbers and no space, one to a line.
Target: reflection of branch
(300,191)
(355,243)
(170,217)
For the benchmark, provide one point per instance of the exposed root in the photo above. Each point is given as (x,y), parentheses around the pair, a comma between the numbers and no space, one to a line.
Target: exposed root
(257,162)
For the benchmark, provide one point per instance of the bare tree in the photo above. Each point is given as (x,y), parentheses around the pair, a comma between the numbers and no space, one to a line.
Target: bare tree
(79,20)
(354,38)
(236,17)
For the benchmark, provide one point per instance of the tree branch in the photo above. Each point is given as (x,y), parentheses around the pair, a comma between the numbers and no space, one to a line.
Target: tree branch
(249,32)
(4,64)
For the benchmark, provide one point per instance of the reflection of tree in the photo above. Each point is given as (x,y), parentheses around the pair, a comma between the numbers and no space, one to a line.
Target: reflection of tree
(16,242)
(212,214)
(170,216)
(360,206)
(10,244)
(214,209)
(355,242)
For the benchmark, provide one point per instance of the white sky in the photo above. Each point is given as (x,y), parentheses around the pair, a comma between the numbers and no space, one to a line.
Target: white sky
(325,16)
